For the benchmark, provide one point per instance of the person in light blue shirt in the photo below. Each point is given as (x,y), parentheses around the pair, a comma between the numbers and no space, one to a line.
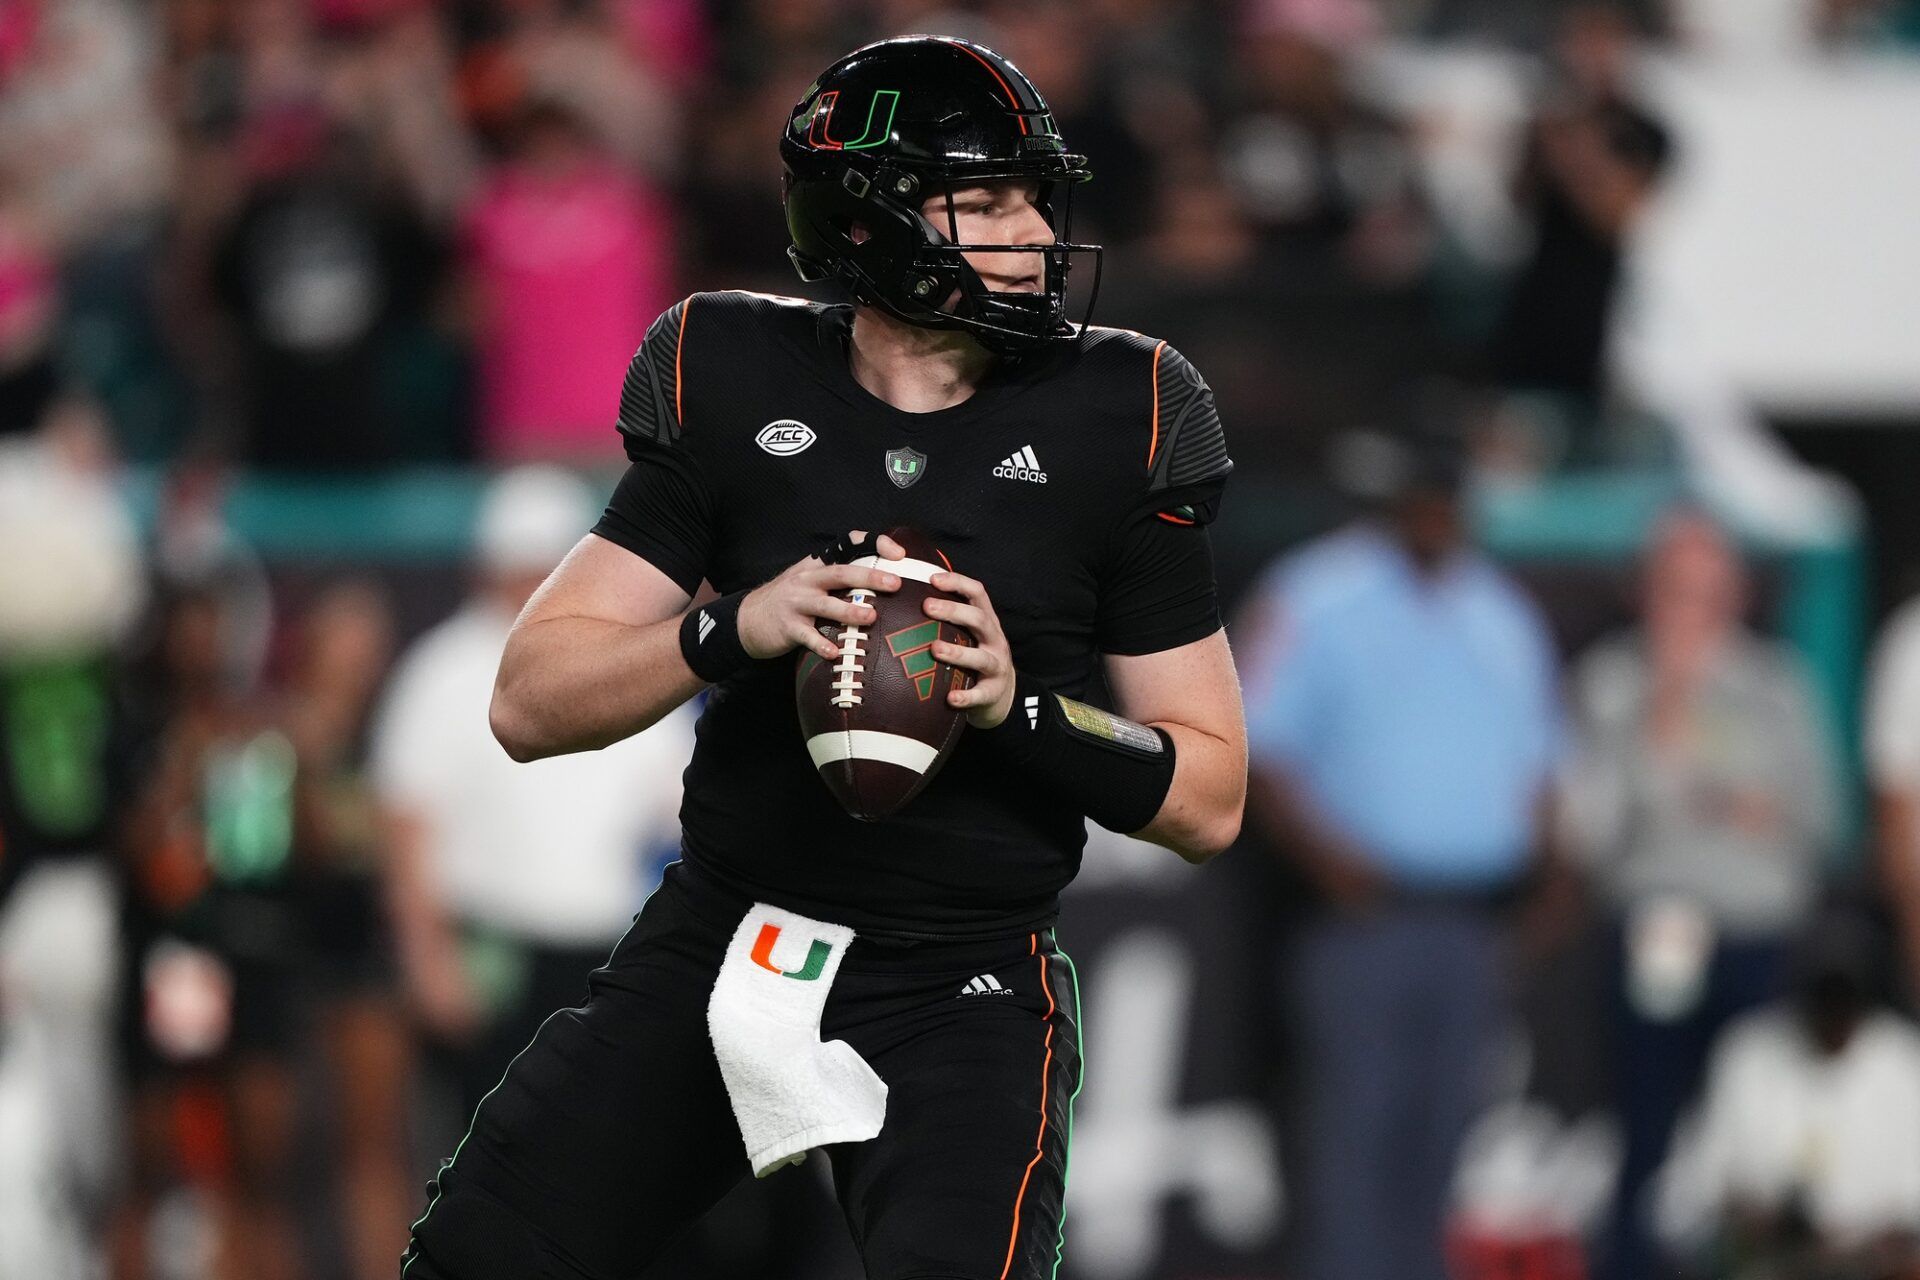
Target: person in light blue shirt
(1403,721)
(1415,707)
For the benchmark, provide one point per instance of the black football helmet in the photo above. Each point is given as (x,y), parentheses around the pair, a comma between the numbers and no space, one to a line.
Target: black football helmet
(895,122)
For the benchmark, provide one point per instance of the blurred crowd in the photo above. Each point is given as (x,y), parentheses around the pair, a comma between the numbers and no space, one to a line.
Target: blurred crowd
(341,234)
(275,912)
(276,907)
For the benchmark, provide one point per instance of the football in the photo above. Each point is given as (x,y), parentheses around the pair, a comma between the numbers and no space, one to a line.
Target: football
(876,720)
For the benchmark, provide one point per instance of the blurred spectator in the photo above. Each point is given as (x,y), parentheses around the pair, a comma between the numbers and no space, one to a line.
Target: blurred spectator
(394,82)
(575,55)
(1703,799)
(1297,349)
(29,303)
(671,39)
(1592,158)
(214,1023)
(1051,43)
(1200,235)
(70,586)
(510,881)
(732,197)
(1893,767)
(1322,172)
(344,645)
(570,257)
(192,538)
(1804,1162)
(1402,718)
(78,130)
(318,272)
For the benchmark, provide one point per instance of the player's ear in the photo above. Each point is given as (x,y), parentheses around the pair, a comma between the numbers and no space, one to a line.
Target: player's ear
(858,233)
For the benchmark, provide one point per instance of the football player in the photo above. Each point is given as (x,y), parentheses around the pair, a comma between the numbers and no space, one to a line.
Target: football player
(1069,472)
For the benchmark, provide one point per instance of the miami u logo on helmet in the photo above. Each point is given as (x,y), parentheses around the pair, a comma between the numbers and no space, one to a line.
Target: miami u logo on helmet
(879,123)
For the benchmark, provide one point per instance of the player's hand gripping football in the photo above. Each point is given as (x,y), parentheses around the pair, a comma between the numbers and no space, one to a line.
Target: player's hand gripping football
(990,697)
(784,614)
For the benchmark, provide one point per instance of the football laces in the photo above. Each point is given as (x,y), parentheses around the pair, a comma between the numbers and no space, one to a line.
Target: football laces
(851,664)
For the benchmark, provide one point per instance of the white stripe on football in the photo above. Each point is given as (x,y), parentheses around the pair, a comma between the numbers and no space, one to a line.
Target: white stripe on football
(870,744)
(917,570)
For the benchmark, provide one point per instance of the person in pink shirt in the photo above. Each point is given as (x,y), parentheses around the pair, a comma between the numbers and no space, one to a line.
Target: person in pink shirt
(569,257)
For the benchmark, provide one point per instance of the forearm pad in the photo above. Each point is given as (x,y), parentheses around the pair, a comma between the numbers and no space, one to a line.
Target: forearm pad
(1115,771)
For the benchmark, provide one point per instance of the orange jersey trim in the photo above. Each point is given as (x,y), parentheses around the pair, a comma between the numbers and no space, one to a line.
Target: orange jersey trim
(1153,445)
(679,346)
(1039,1141)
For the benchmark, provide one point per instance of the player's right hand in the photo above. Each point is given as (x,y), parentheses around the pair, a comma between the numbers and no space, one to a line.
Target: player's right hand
(785,613)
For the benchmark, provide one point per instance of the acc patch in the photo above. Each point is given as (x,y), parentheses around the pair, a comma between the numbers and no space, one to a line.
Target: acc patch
(786,437)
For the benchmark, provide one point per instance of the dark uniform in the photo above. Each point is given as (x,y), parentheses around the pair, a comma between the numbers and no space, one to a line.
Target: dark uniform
(1075,483)
(613,1131)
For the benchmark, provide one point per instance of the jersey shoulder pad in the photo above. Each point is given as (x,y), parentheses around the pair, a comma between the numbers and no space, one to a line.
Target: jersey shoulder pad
(1186,444)
(679,354)
(1181,447)
(650,399)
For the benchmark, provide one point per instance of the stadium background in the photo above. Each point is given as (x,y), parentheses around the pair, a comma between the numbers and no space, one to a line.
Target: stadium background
(280,273)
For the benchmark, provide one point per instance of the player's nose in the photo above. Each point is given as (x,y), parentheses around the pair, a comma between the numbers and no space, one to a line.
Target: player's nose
(1032,227)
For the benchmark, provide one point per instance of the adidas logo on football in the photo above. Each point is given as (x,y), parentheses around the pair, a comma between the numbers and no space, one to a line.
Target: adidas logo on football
(1021,466)
(984,985)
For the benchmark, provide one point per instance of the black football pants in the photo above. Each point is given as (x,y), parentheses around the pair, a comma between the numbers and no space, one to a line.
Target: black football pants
(611,1132)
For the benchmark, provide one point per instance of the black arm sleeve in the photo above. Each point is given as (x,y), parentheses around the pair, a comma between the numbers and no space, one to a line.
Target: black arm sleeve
(661,512)
(1159,593)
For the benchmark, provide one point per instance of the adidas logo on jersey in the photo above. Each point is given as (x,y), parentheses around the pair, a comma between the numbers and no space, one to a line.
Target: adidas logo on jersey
(1021,466)
(984,985)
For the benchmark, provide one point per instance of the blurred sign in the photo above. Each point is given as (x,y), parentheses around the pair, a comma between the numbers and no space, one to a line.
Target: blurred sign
(1786,234)
(1175,1167)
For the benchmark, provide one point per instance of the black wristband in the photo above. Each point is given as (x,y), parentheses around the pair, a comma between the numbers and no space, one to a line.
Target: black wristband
(710,639)
(1116,771)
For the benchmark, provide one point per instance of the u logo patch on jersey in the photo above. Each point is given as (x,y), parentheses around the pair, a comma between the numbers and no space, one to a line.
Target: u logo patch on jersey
(905,466)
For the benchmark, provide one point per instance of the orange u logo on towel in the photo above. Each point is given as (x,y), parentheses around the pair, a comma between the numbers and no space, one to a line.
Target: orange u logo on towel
(763,955)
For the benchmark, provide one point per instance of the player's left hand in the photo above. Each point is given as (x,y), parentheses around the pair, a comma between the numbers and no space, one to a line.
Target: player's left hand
(990,697)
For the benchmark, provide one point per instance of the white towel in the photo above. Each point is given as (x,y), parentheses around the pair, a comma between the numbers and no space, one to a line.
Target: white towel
(790,1092)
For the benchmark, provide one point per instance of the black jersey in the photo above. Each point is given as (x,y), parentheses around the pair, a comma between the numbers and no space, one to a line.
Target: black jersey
(1074,485)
